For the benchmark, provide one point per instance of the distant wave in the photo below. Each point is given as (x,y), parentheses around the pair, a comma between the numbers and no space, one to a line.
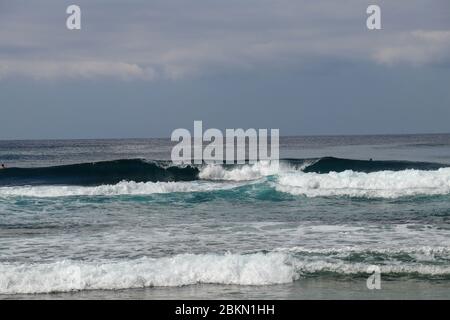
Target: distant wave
(308,177)
(275,267)
(136,170)
(331,164)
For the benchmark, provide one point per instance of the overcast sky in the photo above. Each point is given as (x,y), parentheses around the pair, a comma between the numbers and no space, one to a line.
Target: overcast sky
(143,68)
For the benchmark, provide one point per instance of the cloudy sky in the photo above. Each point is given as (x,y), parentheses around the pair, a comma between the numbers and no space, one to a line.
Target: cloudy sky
(143,68)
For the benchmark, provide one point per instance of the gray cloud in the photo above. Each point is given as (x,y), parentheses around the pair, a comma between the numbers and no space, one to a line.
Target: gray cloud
(417,47)
(175,39)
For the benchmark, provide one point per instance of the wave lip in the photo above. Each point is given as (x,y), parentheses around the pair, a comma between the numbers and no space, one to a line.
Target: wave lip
(382,184)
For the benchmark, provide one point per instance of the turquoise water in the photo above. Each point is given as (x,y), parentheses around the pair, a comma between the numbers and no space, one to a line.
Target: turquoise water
(308,228)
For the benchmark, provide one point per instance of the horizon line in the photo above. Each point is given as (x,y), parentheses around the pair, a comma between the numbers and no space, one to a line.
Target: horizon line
(281,136)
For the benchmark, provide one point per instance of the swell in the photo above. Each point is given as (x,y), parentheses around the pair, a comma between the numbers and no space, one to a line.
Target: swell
(138,170)
(331,164)
(98,173)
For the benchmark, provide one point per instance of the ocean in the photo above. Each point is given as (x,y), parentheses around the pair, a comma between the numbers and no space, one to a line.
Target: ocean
(115,219)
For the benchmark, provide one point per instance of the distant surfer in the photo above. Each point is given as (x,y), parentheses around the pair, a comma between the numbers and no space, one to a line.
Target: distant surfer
(3,166)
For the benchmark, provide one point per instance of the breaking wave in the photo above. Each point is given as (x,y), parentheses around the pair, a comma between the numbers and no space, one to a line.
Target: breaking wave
(121,188)
(307,177)
(240,173)
(186,269)
(189,269)
(383,184)
(138,170)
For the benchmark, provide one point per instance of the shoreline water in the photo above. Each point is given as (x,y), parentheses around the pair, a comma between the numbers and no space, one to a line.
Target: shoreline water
(304,289)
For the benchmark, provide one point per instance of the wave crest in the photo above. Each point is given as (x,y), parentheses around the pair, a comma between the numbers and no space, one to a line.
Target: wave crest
(239,173)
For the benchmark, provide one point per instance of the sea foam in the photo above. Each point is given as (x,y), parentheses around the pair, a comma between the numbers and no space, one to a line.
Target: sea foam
(241,173)
(271,268)
(180,270)
(121,188)
(382,184)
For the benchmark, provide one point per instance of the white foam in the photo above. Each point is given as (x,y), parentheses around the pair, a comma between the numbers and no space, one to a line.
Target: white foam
(341,267)
(121,188)
(186,269)
(420,253)
(241,173)
(276,267)
(384,184)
